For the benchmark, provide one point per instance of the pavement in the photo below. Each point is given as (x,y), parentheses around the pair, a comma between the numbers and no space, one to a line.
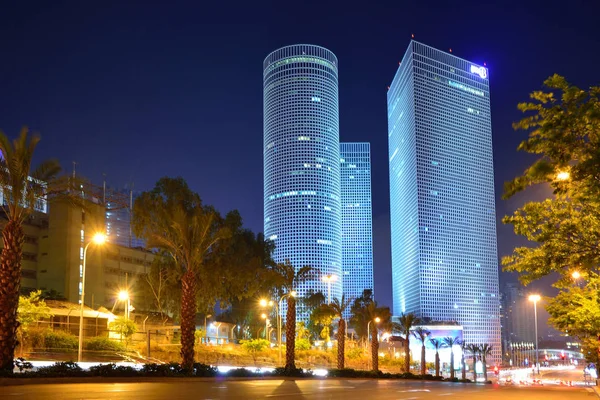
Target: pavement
(346,389)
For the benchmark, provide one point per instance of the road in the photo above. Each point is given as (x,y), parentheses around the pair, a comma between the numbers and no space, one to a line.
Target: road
(290,389)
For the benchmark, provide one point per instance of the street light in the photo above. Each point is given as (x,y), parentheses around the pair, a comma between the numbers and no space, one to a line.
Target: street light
(264,316)
(576,275)
(377,320)
(124,296)
(97,239)
(563,175)
(535,298)
(329,279)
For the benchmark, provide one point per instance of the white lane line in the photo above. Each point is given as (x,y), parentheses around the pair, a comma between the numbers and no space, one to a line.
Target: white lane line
(414,390)
(336,387)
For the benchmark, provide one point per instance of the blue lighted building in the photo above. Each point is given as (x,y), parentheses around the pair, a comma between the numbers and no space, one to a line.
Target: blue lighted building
(118,219)
(357,219)
(443,219)
(302,162)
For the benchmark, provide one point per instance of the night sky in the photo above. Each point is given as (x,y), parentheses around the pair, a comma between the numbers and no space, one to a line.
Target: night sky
(140,90)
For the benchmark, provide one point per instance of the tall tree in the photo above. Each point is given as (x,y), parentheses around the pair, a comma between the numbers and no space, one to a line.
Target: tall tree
(32,309)
(404,325)
(339,307)
(437,345)
(287,279)
(463,363)
(172,218)
(358,319)
(563,123)
(485,350)
(421,334)
(22,187)
(449,342)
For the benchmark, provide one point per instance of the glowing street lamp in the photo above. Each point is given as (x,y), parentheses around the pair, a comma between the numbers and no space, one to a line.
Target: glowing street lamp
(329,279)
(124,296)
(535,298)
(563,175)
(98,239)
(377,320)
(576,275)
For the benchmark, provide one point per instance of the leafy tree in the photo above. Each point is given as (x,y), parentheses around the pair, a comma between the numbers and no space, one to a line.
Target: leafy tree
(254,347)
(160,288)
(287,278)
(31,309)
(485,350)
(449,342)
(311,304)
(124,327)
(339,307)
(437,345)
(421,334)
(358,319)
(577,311)
(302,332)
(172,218)
(404,325)
(22,187)
(563,122)
(302,344)
(323,317)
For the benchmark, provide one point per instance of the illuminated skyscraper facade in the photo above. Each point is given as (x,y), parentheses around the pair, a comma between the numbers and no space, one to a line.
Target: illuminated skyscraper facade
(302,212)
(357,219)
(442,206)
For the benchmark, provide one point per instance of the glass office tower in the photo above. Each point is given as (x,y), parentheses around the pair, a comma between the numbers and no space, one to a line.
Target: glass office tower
(357,219)
(442,207)
(302,162)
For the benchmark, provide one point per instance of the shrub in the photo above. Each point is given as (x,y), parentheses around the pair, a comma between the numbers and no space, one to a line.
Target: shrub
(302,344)
(35,337)
(100,343)
(61,369)
(170,369)
(23,365)
(113,370)
(254,346)
(295,372)
(355,353)
(204,370)
(242,373)
(60,340)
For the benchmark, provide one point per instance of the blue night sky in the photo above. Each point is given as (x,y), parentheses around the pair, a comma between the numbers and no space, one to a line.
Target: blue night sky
(140,90)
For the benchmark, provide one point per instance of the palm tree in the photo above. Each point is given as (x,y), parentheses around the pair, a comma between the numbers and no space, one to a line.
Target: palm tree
(404,326)
(474,350)
(485,350)
(21,188)
(421,334)
(450,341)
(437,345)
(339,307)
(463,364)
(373,312)
(287,279)
(172,218)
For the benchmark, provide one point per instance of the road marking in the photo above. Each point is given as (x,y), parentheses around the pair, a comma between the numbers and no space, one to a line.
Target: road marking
(414,390)
(336,387)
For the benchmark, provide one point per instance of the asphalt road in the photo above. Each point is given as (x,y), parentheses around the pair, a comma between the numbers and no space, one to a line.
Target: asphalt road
(289,389)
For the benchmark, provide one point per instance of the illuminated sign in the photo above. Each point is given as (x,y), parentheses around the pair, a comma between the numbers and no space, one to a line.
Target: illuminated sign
(481,71)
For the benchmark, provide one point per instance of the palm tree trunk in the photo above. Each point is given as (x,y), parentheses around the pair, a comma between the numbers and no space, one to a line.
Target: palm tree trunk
(437,364)
(451,363)
(188,317)
(485,376)
(341,338)
(463,366)
(474,369)
(407,354)
(423,360)
(290,334)
(10,280)
(374,348)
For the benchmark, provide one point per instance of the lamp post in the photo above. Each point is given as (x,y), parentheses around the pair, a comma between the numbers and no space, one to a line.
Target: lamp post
(377,320)
(329,279)
(124,296)
(206,328)
(535,298)
(217,325)
(264,316)
(98,239)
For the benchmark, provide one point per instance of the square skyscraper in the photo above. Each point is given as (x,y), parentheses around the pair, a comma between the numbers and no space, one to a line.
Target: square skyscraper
(357,219)
(442,203)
